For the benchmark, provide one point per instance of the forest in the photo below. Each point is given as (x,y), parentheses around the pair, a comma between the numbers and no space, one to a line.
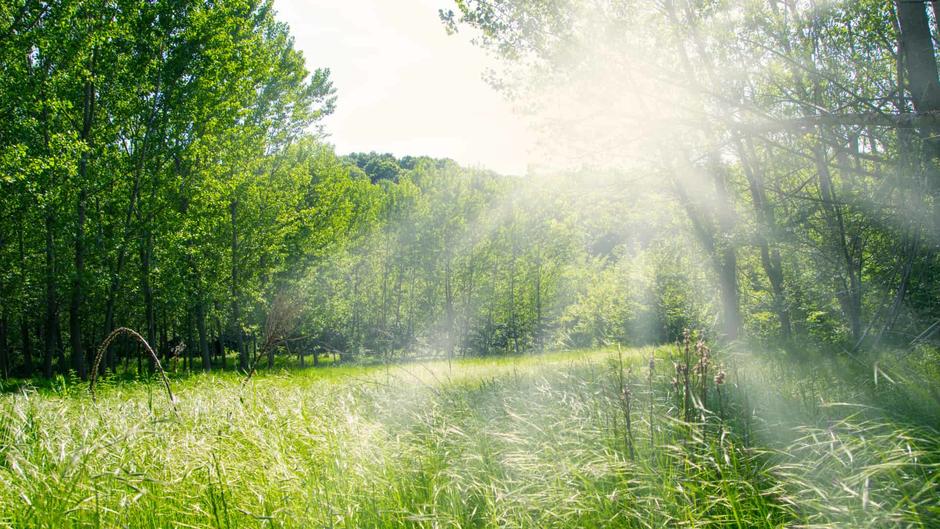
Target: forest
(714,301)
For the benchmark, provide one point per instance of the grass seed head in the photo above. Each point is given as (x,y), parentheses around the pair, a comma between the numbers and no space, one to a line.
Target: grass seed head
(720,378)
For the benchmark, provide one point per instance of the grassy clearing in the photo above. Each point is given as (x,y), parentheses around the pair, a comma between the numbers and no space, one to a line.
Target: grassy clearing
(519,442)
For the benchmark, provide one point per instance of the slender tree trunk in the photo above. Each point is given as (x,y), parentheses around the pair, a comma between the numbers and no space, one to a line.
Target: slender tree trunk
(109,359)
(219,344)
(27,342)
(4,326)
(449,307)
(909,253)
(728,283)
(386,266)
(354,324)
(164,339)
(117,267)
(51,328)
(767,223)
(468,299)
(539,344)
(713,233)
(236,305)
(75,326)
(190,340)
(399,293)
(723,259)
(512,297)
(203,338)
(850,293)
(149,312)
(4,343)
(412,298)
(24,306)
(728,272)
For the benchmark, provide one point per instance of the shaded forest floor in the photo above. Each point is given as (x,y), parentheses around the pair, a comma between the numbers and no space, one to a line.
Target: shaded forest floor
(588,439)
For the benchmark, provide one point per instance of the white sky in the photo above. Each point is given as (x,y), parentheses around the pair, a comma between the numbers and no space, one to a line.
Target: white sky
(404,86)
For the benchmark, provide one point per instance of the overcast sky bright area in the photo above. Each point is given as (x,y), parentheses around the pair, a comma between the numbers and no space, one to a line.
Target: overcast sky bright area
(404,86)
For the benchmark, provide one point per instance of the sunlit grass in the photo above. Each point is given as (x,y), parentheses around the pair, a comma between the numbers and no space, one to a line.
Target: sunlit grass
(532,441)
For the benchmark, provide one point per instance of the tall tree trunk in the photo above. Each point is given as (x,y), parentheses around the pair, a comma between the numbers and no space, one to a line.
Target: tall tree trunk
(236,304)
(110,360)
(4,326)
(27,342)
(850,291)
(146,251)
(189,340)
(51,327)
(909,253)
(468,298)
(51,323)
(399,293)
(539,343)
(203,338)
(917,53)
(164,338)
(24,318)
(728,285)
(75,305)
(115,268)
(220,346)
(721,254)
(513,319)
(356,341)
(449,306)
(4,343)
(75,325)
(728,273)
(713,233)
(767,224)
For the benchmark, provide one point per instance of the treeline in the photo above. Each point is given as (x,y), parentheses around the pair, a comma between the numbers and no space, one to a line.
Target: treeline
(155,174)
(776,179)
(798,138)
(159,172)
(467,262)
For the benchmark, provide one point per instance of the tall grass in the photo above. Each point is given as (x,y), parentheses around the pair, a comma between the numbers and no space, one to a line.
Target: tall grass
(530,442)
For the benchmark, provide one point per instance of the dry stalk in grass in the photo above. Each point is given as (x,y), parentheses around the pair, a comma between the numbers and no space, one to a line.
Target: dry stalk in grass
(134,334)
(719,381)
(686,368)
(625,396)
(652,371)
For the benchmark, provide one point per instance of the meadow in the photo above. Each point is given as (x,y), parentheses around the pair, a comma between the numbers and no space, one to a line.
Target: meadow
(601,438)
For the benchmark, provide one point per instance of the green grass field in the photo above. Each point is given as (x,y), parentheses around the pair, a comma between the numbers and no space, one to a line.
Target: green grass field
(534,441)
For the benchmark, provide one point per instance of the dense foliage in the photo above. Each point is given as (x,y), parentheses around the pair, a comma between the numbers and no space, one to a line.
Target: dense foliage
(154,174)
(799,138)
(163,168)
